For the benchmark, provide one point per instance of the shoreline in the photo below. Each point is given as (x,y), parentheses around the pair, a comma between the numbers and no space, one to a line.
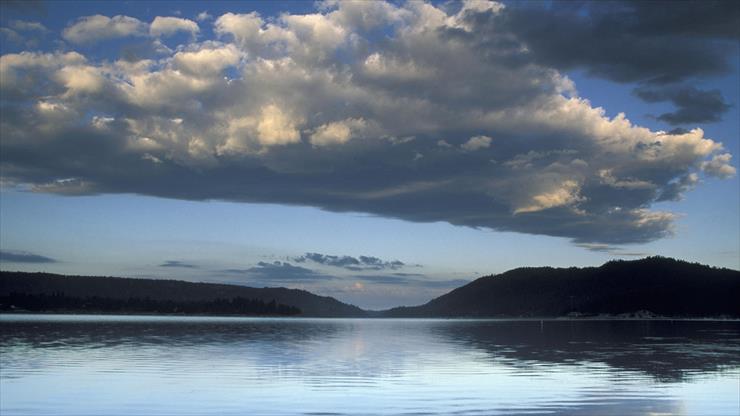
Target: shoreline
(603,318)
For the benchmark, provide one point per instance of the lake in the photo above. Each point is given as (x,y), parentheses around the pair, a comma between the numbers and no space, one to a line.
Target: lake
(124,365)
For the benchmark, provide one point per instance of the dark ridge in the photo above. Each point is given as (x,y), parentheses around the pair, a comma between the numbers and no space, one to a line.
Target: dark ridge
(640,288)
(159,292)
(654,286)
(61,303)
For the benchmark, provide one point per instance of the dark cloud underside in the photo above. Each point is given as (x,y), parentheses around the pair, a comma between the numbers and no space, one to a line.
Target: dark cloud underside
(693,105)
(178,264)
(630,41)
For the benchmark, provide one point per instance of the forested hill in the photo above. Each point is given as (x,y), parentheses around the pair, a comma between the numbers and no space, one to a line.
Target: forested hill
(128,295)
(662,286)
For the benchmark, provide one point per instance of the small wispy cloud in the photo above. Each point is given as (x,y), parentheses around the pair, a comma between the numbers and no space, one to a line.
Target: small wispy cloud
(610,249)
(177,263)
(11,256)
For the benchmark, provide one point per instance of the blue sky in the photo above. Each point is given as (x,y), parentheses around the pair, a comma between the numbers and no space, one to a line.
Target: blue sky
(226,143)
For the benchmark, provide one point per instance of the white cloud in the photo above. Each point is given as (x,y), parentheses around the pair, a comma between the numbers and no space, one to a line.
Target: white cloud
(81,79)
(244,28)
(305,38)
(476,143)
(719,166)
(207,61)
(90,29)
(337,132)
(16,70)
(25,26)
(362,15)
(313,35)
(167,26)
(267,126)
(565,193)
(275,127)
(379,66)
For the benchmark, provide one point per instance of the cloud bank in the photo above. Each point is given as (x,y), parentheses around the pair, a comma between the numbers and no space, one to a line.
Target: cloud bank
(412,111)
(178,264)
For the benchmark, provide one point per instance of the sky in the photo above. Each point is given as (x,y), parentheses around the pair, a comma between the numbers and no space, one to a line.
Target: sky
(382,153)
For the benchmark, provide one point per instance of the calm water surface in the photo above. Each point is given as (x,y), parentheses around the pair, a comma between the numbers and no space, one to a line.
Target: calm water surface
(123,365)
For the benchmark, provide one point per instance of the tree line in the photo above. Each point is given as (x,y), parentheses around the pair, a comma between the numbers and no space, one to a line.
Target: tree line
(60,302)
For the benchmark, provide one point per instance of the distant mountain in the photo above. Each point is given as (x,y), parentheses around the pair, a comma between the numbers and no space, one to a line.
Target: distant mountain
(647,287)
(126,295)
(654,285)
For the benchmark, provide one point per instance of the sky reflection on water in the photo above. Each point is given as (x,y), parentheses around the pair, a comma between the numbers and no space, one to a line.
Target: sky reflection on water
(171,365)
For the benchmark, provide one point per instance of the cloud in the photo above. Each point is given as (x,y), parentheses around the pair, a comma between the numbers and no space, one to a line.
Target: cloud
(28,26)
(207,60)
(628,41)
(8,256)
(313,110)
(675,189)
(178,264)
(694,105)
(26,33)
(719,166)
(378,264)
(563,194)
(349,262)
(337,132)
(245,29)
(11,36)
(625,41)
(167,26)
(609,249)
(91,29)
(475,143)
(284,272)
(203,16)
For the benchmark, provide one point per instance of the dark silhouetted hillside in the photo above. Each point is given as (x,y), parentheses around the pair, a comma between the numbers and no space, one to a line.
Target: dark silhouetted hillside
(59,302)
(662,286)
(127,295)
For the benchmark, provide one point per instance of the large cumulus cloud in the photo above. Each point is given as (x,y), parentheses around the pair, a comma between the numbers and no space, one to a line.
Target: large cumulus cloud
(407,111)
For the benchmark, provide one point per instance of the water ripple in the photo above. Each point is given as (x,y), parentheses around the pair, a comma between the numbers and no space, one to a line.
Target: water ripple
(65,365)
